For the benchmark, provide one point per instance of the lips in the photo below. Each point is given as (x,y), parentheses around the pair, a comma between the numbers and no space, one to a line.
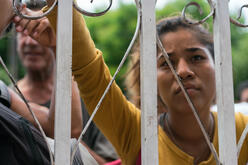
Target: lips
(187,87)
(32,54)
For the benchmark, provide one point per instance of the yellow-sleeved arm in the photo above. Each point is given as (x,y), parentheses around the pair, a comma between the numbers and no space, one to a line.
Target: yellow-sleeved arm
(81,39)
(118,119)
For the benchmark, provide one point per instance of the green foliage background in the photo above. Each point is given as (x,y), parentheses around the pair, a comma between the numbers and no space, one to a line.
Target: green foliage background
(113,32)
(3,53)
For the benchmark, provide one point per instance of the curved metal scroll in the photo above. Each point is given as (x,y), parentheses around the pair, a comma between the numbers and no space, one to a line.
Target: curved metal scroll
(89,13)
(200,11)
(16,5)
(240,13)
(233,21)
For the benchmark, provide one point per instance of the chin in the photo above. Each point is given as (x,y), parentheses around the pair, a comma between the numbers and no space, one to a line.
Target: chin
(183,106)
(35,68)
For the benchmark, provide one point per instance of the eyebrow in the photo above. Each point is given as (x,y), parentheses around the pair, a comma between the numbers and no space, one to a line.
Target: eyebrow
(193,49)
(161,55)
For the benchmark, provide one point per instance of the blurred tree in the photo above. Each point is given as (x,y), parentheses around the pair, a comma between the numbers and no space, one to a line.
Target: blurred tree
(3,48)
(3,52)
(7,53)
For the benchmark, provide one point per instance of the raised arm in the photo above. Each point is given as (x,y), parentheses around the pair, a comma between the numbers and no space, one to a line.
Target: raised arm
(76,112)
(81,39)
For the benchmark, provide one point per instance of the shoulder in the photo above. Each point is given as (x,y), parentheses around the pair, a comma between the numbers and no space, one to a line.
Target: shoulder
(241,118)
(240,121)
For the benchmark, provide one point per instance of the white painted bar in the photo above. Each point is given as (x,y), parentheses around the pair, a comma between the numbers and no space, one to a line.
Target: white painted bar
(149,140)
(63,83)
(224,84)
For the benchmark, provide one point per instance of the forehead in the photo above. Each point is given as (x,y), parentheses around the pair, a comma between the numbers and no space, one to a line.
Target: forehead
(181,39)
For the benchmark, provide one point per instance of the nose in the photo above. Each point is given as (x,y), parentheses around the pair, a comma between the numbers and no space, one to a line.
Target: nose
(30,41)
(184,70)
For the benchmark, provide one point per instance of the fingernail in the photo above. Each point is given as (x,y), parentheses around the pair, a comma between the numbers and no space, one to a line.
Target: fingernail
(35,34)
(25,32)
(17,18)
(19,28)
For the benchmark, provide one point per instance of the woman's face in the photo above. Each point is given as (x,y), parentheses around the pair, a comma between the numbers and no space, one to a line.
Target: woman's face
(194,64)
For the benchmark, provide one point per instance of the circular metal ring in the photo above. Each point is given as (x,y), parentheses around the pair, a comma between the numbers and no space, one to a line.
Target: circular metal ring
(91,14)
(16,5)
(200,11)
(235,22)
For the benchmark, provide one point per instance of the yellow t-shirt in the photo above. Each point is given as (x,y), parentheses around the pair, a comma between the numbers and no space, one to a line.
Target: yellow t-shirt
(117,118)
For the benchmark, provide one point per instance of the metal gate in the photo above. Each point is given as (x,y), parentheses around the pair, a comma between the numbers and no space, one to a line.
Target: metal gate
(149,40)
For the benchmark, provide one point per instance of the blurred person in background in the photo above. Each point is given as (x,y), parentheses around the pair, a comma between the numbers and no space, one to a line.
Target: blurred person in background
(242,99)
(242,92)
(38,82)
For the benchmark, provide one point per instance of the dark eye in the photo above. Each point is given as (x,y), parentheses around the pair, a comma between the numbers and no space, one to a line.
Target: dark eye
(164,64)
(196,58)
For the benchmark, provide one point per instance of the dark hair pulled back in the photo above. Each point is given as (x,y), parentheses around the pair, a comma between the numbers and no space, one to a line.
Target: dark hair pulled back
(164,26)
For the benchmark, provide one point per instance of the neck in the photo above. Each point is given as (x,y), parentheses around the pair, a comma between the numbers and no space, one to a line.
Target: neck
(37,91)
(185,132)
(40,76)
(39,83)
(185,126)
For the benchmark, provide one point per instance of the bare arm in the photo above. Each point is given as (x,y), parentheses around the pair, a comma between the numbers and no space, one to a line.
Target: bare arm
(76,112)
(18,105)
(6,13)
(46,116)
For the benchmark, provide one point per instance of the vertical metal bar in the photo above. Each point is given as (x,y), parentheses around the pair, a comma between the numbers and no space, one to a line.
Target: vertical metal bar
(63,83)
(149,140)
(224,84)
(12,54)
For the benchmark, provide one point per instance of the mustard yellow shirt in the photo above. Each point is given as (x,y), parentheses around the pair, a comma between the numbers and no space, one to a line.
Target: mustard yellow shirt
(117,118)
